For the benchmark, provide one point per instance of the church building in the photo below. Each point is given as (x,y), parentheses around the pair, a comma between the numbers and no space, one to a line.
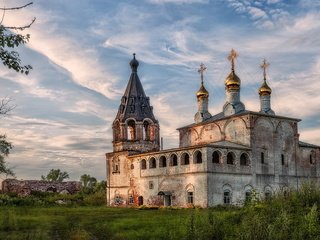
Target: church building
(221,159)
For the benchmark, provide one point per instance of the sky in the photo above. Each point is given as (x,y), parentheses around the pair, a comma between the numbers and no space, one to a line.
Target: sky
(80,52)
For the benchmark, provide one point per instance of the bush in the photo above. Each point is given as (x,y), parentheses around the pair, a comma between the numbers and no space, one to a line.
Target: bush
(95,199)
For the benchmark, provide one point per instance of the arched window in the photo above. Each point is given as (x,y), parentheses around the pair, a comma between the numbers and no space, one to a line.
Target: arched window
(117,198)
(190,194)
(131,130)
(173,160)
(190,197)
(162,161)
(227,197)
(282,160)
(116,165)
(146,130)
(267,195)
(244,159)
(185,159)
(132,166)
(116,131)
(230,158)
(216,156)
(152,163)
(262,157)
(140,200)
(197,157)
(312,157)
(143,164)
(130,199)
(248,196)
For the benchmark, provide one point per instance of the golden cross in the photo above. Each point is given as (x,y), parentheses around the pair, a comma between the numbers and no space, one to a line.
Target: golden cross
(231,57)
(201,71)
(264,66)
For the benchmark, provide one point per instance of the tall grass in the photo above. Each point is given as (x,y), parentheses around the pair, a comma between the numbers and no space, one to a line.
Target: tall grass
(296,216)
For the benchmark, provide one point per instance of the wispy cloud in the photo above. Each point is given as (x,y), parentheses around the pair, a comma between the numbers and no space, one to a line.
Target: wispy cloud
(80,53)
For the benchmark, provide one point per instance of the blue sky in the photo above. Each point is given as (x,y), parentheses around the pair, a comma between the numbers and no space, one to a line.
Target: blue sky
(80,52)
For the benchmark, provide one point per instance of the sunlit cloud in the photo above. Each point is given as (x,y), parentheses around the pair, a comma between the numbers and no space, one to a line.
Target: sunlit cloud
(80,54)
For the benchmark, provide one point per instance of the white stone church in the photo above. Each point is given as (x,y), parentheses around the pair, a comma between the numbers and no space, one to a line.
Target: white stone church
(221,159)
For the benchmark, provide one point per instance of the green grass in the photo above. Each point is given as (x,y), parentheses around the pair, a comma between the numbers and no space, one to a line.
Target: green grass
(91,223)
(294,217)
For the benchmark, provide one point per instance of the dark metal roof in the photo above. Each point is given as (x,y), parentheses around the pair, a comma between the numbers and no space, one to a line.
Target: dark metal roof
(308,145)
(134,103)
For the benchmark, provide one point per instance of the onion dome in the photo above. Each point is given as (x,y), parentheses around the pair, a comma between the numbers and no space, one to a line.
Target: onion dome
(202,92)
(134,63)
(264,89)
(233,81)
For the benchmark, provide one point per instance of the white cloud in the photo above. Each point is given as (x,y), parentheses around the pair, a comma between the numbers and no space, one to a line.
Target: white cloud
(69,53)
(169,45)
(306,23)
(256,13)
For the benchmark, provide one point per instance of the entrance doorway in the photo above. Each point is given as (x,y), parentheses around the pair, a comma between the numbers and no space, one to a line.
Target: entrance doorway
(166,195)
(140,200)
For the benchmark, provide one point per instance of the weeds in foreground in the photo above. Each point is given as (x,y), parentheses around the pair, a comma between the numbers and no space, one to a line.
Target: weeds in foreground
(295,216)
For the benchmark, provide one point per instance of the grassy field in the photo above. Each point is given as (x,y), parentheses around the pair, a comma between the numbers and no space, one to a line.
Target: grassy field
(296,216)
(104,223)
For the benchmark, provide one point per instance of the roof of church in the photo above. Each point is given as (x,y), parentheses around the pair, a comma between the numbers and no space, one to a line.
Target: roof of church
(134,103)
(221,116)
(308,145)
(219,144)
(229,144)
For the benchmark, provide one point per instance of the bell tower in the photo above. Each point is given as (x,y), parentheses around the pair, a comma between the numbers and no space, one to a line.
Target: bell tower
(135,128)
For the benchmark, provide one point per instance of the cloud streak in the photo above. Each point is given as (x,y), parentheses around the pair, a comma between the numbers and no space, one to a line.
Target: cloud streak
(80,53)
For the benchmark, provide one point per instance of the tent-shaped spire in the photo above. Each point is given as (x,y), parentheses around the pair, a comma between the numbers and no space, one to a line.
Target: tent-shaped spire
(134,103)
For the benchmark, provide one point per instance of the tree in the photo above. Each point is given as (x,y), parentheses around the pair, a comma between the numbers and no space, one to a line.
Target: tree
(100,186)
(88,183)
(10,40)
(55,175)
(5,148)
(10,58)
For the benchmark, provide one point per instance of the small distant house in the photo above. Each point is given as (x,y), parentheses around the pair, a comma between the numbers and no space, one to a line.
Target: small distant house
(25,187)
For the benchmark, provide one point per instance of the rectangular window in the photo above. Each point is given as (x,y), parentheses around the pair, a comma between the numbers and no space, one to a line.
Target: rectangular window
(117,200)
(131,199)
(190,197)
(262,157)
(226,197)
(151,185)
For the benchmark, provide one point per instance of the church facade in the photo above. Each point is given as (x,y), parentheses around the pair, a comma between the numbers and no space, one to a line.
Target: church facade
(221,159)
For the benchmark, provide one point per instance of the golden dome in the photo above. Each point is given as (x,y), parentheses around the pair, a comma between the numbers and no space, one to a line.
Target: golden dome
(265,89)
(202,92)
(232,80)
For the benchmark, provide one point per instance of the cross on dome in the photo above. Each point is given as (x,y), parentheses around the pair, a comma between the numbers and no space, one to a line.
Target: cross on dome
(201,70)
(264,66)
(231,57)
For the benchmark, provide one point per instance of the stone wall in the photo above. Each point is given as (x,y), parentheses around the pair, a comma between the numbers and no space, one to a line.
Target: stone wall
(25,187)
